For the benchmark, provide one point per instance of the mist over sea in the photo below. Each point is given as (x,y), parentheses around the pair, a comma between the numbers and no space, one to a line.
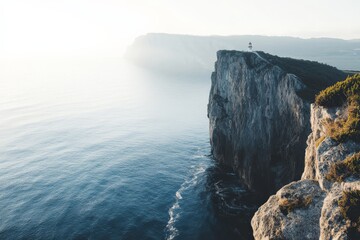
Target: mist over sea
(95,148)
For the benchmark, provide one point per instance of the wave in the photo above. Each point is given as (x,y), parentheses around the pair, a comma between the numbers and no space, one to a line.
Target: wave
(175,209)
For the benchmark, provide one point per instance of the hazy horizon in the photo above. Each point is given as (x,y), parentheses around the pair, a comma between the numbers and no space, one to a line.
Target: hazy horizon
(81,27)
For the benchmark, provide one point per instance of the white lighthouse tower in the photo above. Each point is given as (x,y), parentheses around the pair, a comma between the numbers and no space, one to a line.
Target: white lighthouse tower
(250,46)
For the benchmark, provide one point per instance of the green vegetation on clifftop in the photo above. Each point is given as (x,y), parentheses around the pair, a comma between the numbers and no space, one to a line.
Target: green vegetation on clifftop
(343,169)
(338,94)
(316,76)
(345,92)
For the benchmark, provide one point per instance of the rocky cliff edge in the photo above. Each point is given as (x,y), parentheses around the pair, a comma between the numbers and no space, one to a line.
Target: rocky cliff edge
(325,203)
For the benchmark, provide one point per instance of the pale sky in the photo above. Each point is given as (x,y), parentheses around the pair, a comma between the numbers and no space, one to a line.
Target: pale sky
(82,26)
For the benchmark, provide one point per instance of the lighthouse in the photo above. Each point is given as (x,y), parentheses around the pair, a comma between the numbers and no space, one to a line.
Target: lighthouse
(250,46)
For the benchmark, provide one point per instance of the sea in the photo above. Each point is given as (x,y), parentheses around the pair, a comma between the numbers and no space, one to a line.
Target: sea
(97,148)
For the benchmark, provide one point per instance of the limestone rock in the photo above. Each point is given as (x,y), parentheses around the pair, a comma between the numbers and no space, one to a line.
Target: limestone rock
(304,199)
(258,123)
(326,219)
(332,224)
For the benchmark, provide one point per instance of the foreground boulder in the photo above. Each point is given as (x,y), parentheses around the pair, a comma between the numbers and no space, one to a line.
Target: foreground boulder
(293,213)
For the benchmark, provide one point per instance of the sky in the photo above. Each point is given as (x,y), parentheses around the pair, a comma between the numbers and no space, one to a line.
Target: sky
(61,27)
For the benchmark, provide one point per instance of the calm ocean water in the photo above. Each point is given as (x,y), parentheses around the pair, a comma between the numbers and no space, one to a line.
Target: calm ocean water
(99,149)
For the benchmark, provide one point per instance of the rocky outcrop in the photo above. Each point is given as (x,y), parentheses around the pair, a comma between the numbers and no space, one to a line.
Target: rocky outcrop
(293,212)
(326,220)
(259,116)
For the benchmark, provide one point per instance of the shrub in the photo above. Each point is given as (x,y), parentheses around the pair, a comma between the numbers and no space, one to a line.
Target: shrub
(316,76)
(340,92)
(287,205)
(343,169)
(347,91)
(319,141)
(350,209)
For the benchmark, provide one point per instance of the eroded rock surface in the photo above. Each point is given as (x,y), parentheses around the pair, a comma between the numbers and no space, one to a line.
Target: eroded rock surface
(258,124)
(293,213)
(259,116)
(327,221)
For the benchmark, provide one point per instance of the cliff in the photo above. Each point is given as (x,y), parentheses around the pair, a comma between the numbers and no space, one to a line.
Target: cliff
(259,114)
(194,55)
(325,203)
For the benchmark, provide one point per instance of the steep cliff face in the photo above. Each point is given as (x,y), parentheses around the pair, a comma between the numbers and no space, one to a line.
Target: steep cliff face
(259,117)
(318,206)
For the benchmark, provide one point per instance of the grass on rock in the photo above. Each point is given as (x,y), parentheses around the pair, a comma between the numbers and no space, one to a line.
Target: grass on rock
(343,169)
(288,205)
(350,209)
(345,92)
